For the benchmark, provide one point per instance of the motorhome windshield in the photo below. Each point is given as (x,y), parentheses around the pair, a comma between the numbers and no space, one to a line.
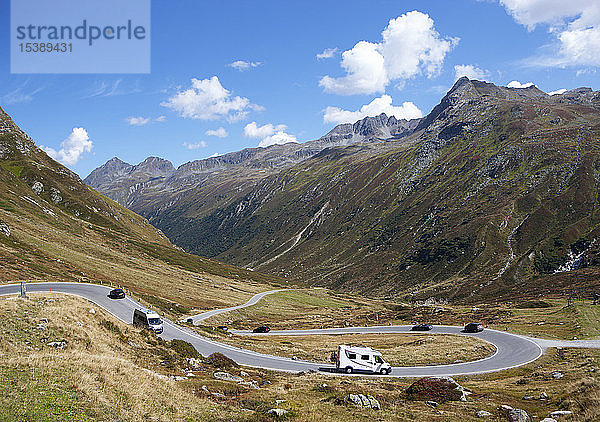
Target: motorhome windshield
(154,321)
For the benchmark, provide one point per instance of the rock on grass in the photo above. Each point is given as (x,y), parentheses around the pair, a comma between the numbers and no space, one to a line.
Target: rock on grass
(439,389)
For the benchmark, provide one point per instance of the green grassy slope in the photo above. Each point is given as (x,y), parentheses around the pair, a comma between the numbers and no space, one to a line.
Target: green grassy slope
(60,229)
(492,170)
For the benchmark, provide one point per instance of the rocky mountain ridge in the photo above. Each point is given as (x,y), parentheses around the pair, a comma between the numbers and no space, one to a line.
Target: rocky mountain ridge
(494,187)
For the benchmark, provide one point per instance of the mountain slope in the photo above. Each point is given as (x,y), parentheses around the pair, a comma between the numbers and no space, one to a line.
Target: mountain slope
(491,193)
(53,226)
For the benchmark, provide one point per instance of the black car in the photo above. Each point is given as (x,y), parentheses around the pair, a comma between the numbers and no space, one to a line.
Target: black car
(116,294)
(422,327)
(261,329)
(473,327)
(222,328)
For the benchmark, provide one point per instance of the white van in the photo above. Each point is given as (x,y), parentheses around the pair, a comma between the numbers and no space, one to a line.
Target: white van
(361,359)
(148,320)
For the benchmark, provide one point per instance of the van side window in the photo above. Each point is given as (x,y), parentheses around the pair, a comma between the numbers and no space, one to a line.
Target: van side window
(364,357)
(351,355)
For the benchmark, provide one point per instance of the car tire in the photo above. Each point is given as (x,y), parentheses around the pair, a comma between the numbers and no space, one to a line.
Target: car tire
(383,371)
(389,371)
(349,370)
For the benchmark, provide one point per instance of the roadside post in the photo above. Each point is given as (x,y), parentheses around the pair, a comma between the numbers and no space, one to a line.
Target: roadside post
(23,290)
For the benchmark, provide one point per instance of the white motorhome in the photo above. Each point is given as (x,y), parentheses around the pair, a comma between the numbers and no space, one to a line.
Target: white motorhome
(361,359)
(147,319)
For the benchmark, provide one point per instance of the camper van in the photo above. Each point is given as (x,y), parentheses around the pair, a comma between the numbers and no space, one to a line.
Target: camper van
(361,359)
(148,320)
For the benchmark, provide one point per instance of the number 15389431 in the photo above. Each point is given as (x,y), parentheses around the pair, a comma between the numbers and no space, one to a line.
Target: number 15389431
(46,47)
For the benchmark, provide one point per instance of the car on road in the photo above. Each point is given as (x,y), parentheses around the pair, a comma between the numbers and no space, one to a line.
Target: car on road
(422,327)
(352,359)
(117,294)
(147,319)
(261,329)
(473,327)
(222,328)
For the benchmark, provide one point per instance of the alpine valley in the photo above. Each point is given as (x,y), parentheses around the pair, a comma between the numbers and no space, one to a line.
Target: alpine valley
(493,193)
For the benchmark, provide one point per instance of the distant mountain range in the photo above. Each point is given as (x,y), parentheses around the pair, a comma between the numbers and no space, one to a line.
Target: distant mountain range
(495,189)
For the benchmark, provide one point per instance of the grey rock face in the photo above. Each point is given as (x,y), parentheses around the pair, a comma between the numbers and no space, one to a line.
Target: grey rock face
(4,229)
(55,195)
(37,188)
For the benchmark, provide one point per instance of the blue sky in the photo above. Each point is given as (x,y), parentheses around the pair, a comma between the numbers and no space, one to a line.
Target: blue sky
(279,90)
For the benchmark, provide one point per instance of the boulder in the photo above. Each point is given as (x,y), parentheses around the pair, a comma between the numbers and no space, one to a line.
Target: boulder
(278,413)
(483,414)
(439,389)
(364,401)
(58,344)
(249,384)
(557,375)
(226,376)
(514,415)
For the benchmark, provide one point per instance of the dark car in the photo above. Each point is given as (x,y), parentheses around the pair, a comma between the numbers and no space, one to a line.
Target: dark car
(422,327)
(473,327)
(261,329)
(116,294)
(222,328)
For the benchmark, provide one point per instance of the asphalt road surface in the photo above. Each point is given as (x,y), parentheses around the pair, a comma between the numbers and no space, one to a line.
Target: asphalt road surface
(511,350)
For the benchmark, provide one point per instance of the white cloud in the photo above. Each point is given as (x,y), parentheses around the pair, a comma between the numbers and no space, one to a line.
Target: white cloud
(517,84)
(72,148)
(327,53)
(142,121)
(471,72)
(208,100)
(195,145)
(411,46)
(379,105)
(137,121)
(19,95)
(242,65)
(574,23)
(278,138)
(219,133)
(269,134)
(557,92)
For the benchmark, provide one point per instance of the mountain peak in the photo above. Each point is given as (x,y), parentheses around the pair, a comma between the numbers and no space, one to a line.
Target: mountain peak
(155,164)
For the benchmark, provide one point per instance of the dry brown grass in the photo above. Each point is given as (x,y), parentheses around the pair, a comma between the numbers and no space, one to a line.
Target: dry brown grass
(115,379)
(397,349)
(100,376)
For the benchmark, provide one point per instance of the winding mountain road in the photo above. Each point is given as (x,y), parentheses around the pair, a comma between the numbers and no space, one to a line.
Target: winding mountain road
(511,350)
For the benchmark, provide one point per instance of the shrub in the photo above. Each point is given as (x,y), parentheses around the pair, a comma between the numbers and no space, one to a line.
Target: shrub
(184,349)
(219,360)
